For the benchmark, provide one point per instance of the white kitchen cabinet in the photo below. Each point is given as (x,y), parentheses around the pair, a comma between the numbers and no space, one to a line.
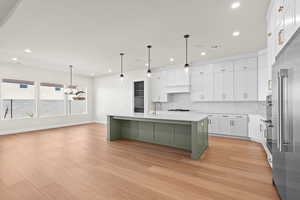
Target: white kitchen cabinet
(229,125)
(202,83)
(256,128)
(158,86)
(282,21)
(177,77)
(289,18)
(238,126)
(245,72)
(213,124)
(223,82)
(264,76)
(178,81)
(297,14)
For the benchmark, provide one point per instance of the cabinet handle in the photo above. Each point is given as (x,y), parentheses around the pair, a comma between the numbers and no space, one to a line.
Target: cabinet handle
(269,34)
(280,9)
(280,37)
(270,84)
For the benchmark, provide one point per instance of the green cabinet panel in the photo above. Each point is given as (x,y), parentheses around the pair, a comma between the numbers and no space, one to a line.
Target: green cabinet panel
(146,131)
(129,129)
(182,137)
(164,134)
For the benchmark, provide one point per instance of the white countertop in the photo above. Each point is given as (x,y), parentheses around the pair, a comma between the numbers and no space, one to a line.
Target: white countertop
(182,116)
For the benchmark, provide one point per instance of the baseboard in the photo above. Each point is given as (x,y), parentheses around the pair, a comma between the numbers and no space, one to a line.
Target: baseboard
(100,122)
(16,131)
(230,136)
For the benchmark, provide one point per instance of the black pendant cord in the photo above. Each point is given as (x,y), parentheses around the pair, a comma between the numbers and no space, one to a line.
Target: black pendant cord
(122,54)
(71,75)
(186,50)
(149,59)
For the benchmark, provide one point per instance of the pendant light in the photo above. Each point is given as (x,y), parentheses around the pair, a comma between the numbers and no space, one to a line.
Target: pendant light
(186,66)
(122,75)
(71,90)
(149,59)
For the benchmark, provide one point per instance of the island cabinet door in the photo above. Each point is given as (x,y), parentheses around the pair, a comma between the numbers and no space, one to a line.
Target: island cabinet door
(163,134)
(146,131)
(182,136)
(129,129)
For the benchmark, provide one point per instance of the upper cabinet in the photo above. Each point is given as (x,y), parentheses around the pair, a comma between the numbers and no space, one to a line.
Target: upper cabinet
(283,19)
(202,83)
(157,87)
(264,76)
(223,82)
(297,13)
(178,81)
(245,73)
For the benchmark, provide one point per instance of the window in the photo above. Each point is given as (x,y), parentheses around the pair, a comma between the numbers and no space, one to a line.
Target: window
(78,104)
(52,100)
(18,99)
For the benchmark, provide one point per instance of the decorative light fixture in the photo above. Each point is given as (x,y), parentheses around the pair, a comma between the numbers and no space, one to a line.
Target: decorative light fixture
(149,66)
(186,66)
(122,75)
(71,90)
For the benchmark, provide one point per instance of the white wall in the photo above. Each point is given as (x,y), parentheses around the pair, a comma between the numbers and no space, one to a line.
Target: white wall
(17,71)
(115,96)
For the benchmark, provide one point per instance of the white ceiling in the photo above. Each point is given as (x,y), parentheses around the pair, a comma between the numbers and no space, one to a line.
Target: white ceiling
(91,34)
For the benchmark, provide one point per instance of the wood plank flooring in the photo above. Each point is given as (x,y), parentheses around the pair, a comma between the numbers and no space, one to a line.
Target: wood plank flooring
(77,163)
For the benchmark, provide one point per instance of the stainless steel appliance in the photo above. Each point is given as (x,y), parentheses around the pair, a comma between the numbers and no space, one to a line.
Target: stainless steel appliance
(286,120)
(268,123)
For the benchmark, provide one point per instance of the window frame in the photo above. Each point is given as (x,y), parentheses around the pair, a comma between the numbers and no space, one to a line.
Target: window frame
(35,111)
(39,102)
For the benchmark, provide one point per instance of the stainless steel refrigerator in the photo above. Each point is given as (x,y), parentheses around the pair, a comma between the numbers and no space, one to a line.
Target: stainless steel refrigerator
(286,120)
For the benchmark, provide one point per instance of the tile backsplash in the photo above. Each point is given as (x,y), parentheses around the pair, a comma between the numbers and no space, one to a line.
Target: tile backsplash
(183,101)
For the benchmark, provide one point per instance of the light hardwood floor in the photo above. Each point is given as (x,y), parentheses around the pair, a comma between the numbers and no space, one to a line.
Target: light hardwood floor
(78,163)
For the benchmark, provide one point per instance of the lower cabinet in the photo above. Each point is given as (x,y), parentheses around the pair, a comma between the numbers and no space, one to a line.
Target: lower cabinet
(231,125)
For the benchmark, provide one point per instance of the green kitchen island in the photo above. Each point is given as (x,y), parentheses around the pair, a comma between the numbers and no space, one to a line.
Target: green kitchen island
(187,131)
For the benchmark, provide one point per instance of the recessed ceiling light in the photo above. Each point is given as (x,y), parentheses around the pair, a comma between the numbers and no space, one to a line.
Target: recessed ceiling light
(203,53)
(14,59)
(27,51)
(236,33)
(172,59)
(109,70)
(235,5)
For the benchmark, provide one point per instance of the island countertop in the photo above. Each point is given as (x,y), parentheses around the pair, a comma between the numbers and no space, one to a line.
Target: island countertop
(190,117)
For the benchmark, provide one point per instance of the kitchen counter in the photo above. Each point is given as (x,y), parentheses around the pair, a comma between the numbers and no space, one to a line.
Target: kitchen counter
(174,116)
(187,131)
